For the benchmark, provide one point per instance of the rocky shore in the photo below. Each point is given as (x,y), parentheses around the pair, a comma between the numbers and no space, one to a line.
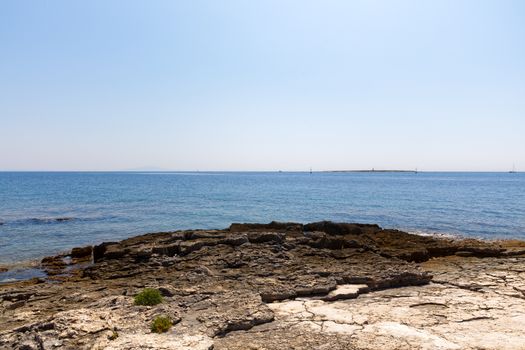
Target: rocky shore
(275,286)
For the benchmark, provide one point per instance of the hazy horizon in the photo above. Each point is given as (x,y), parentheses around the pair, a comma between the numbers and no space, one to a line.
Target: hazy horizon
(189,171)
(262,86)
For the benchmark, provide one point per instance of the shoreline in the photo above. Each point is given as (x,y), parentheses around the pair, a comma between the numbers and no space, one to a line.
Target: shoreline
(36,263)
(274,286)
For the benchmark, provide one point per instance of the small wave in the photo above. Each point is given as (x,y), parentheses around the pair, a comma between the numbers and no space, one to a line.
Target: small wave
(7,280)
(57,220)
(46,220)
(53,220)
(434,234)
(19,265)
(20,274)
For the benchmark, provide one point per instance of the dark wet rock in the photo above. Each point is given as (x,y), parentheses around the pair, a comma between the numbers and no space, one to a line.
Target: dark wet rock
(273,226)
(108,251)
(141,255)
(335,228)
(100,250)
(82,252)
(169,250)
(483,251)
(415,248)
(264,237)
(53,265)
(333,243)
(16,295)
(464,253)
(115,251)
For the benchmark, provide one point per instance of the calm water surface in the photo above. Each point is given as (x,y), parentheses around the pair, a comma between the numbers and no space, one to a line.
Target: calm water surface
(45,213)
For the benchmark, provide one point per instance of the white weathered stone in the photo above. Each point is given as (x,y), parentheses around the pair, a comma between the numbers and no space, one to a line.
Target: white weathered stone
(346,291)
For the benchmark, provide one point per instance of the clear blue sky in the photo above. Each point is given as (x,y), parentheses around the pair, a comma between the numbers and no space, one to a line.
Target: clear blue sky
(262,85)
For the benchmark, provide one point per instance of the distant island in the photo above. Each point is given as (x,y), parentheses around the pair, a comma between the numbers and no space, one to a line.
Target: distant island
(373,171)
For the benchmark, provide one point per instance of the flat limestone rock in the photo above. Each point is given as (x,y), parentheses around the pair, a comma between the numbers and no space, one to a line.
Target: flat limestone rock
(346,291)
(441,315)
(159,341)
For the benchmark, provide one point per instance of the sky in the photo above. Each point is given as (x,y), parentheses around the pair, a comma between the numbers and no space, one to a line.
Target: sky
(262,85)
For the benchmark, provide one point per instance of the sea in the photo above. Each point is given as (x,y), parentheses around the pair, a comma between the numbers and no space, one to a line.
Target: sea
(44,213)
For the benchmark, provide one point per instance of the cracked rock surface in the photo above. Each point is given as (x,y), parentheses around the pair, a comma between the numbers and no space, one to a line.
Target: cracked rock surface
(275,286)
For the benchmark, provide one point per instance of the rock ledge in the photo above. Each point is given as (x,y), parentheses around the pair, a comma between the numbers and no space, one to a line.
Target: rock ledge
(275,286)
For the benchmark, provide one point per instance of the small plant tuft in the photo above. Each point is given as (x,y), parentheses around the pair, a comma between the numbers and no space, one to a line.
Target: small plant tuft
(161,324)
(113,335)
(149,296)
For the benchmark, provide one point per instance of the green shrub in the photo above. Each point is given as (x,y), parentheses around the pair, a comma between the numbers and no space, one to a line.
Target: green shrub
(161,324)
(148,296)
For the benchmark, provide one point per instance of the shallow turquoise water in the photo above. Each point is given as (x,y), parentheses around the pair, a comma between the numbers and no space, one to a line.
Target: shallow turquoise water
(99,207)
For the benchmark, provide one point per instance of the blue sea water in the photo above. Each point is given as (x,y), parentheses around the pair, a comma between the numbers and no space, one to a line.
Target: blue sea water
(45,213)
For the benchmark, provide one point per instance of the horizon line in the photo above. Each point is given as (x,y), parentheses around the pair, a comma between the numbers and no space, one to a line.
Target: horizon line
(265,171)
